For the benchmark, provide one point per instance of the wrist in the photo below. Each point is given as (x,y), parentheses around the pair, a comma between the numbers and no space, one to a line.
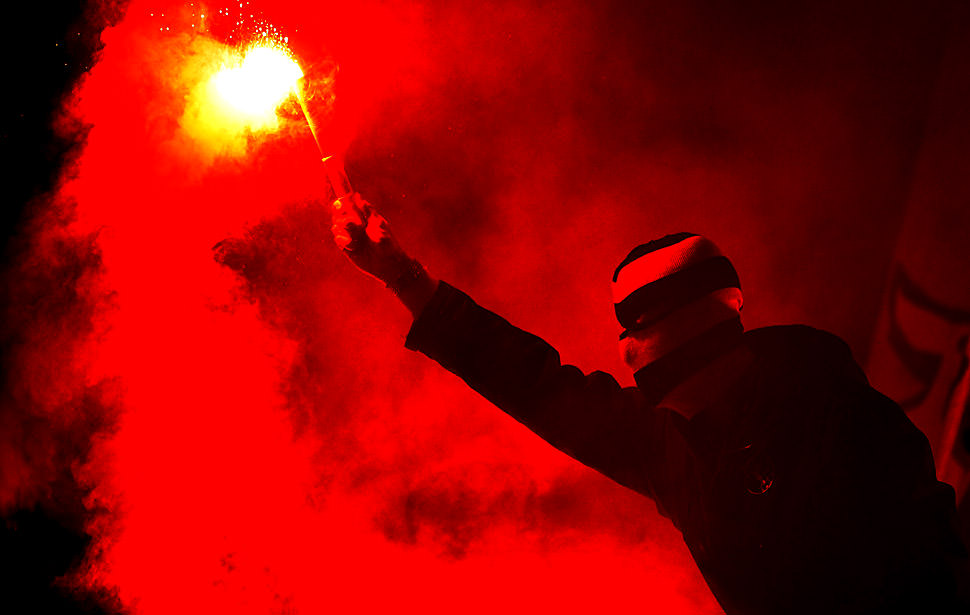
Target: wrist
(406,273)
(413,286)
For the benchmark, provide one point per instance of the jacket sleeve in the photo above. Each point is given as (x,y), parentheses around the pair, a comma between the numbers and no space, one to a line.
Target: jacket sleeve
(589,417)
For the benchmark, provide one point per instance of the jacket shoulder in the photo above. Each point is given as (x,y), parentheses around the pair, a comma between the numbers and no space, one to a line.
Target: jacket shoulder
(794,333)
(805,349)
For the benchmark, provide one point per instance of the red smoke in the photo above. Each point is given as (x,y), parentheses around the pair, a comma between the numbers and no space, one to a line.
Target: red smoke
(271,447)
(253,434)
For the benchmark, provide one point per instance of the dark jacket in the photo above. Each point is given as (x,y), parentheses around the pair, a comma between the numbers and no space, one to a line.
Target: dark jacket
(806,491)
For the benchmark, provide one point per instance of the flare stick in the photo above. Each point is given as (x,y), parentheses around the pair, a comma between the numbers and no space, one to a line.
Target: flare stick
(332,163)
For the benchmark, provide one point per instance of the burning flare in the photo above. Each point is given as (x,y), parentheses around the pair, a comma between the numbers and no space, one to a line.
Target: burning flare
(235,93)
(254,87)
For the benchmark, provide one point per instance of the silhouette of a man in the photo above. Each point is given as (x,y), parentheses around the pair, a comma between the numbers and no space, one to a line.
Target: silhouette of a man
(797,487)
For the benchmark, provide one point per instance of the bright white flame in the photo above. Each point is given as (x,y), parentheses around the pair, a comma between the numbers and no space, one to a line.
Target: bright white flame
(258,84)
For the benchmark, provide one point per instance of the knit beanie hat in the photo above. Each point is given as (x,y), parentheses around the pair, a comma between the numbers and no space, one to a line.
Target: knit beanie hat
(660,277)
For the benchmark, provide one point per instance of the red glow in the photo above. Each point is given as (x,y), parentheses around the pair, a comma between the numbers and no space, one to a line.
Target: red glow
(276,448)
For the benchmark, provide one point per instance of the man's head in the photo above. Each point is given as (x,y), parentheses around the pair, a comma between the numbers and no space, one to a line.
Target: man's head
(669,291)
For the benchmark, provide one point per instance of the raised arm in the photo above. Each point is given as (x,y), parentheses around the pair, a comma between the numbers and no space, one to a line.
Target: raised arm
(590,417)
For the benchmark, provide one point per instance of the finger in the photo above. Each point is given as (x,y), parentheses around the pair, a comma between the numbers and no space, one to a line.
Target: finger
(353,202)
(341,237)
(348,225)
(346,209)
(362,208)
(377,229)
(348,221)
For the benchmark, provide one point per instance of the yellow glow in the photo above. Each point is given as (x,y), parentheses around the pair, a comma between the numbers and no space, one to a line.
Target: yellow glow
(232,94)
(252,88)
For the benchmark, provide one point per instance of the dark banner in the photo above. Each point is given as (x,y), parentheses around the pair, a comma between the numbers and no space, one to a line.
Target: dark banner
(920,355)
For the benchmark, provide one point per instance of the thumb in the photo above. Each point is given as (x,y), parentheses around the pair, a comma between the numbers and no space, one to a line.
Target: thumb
(377,228)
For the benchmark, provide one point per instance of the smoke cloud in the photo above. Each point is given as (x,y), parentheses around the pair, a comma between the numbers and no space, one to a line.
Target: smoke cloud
(247,429)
